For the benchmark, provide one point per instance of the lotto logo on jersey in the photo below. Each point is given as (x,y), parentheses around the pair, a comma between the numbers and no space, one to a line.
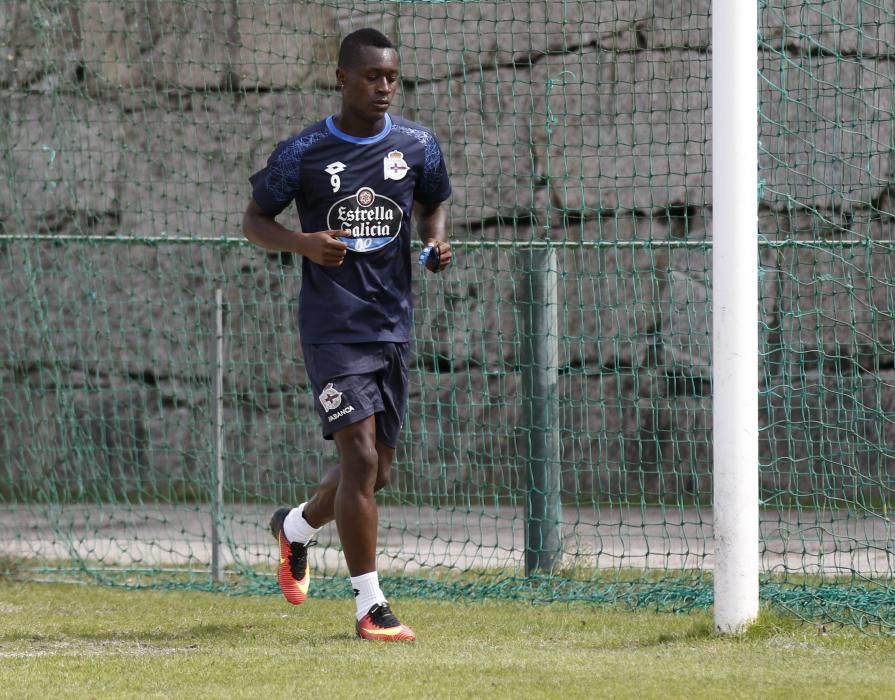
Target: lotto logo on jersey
(370,221)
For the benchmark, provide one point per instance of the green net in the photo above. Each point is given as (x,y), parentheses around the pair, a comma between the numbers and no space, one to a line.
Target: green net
(578,138)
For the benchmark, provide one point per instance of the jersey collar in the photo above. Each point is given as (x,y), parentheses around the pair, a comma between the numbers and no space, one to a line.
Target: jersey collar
(335,131)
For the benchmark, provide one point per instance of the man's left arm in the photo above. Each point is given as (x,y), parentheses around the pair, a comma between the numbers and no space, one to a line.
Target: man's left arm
(432,228)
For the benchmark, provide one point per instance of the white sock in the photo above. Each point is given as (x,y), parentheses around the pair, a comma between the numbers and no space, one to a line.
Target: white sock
(296,528)
(366,592)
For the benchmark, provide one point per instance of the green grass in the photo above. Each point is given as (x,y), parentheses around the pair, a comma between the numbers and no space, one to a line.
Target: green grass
(82,641)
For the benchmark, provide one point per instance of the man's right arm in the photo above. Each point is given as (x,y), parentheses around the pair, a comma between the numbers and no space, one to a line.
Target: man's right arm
(323,247)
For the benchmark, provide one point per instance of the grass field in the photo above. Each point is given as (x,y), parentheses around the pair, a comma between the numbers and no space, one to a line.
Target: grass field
(80,641)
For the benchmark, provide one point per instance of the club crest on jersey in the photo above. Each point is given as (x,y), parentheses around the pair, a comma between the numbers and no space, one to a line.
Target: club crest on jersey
(330,397)
(394,166)
(370,221)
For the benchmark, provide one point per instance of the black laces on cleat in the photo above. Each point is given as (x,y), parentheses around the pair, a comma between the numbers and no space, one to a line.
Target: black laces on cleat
(382,616)
(298,560)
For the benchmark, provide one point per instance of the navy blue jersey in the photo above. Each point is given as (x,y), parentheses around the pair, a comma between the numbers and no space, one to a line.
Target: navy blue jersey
(365,187)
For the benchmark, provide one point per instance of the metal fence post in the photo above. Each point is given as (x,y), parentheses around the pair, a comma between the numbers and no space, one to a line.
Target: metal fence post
(217,497)
(540,377)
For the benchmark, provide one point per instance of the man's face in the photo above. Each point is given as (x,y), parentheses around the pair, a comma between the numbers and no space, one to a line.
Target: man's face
(369,83)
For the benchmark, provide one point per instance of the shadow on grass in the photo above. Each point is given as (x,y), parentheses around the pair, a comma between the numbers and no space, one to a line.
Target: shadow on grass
(698,631)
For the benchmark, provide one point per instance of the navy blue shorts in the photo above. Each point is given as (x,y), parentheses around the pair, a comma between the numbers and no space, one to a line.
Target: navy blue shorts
(353,381)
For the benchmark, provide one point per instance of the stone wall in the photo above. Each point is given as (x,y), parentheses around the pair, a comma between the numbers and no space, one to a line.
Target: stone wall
(571,121)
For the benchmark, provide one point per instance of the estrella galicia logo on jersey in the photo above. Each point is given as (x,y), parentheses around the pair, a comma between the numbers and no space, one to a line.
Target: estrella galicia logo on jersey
(370,221)
(330,397)
(394,166)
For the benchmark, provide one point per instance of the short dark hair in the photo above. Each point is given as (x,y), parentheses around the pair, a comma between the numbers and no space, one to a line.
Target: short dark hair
(361,39)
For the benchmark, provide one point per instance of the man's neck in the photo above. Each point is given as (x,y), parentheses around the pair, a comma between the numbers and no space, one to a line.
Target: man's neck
(358,127)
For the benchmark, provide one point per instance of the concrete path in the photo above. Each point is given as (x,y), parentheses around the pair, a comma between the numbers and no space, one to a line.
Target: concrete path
(485,537)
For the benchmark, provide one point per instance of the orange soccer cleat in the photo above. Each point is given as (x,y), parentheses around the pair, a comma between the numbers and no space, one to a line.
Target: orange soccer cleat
(381,625)
(293,574)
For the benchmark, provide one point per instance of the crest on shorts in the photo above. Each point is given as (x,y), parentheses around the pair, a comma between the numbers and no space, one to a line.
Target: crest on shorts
(394,166)
(330,397)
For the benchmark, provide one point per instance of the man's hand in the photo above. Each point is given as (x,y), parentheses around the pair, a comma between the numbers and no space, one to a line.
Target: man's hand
(440,257)
(324,248)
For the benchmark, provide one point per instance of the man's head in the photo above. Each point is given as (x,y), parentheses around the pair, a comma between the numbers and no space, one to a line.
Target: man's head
(368,75)
(354,45)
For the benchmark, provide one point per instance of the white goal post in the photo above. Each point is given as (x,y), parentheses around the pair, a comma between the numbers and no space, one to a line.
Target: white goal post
(735,311)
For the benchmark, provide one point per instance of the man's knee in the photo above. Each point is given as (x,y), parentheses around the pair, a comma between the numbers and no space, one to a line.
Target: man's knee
(360,464)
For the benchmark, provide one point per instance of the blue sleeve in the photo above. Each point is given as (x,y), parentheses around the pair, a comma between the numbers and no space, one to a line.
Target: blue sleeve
(435,184)
(275,186)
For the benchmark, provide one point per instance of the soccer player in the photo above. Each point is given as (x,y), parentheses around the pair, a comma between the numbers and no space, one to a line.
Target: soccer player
(356,177)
